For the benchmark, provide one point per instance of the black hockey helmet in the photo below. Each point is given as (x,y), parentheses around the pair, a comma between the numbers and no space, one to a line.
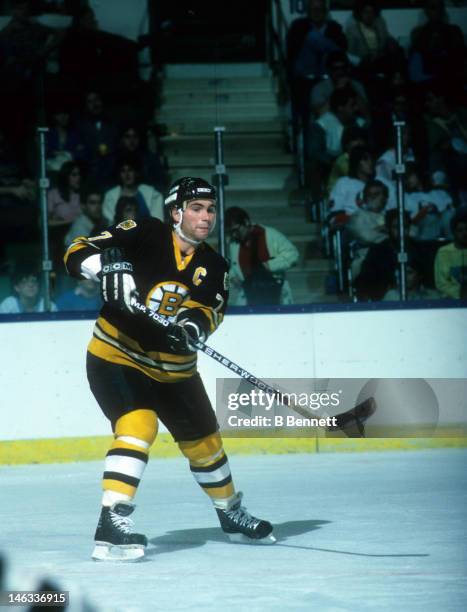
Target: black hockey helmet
(189,188)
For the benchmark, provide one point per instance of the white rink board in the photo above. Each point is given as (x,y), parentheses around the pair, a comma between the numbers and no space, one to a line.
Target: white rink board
(45,392)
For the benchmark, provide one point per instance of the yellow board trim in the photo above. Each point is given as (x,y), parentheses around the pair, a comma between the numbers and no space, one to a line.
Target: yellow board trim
(67,450)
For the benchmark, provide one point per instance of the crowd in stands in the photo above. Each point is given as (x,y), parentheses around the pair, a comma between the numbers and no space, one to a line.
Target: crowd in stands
(348,85)
(102,155)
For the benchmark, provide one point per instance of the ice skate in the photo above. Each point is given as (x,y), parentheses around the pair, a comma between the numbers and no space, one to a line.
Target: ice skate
(243,528)
(114,538)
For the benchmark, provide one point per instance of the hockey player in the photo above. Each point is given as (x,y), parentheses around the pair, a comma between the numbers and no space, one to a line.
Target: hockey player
(139,373)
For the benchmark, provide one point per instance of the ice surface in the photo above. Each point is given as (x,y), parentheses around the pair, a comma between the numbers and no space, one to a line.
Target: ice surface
(356,532)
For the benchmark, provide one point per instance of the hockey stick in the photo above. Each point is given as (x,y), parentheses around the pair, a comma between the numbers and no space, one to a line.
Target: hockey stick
(200,346)
(350,422)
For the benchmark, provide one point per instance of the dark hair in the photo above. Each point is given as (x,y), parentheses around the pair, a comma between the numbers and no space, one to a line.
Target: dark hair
(392,214)
(459,217)
(375,183)
(23,270)
(359,5)
(352,132)
(128,161)
(414,168)
(340,97)
(122,202)
(236,216)
(355,157)
(63,179)
(88,189)
(336,56)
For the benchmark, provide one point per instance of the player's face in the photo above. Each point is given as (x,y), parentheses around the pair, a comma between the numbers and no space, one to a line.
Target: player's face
(199,218)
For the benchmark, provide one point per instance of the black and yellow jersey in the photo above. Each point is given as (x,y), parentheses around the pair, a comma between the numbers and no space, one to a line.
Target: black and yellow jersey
(195,287)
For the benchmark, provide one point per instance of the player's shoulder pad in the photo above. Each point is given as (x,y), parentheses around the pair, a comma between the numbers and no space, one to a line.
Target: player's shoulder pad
(215,257)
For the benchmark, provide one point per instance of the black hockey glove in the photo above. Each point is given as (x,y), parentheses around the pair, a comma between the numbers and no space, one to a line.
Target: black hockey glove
(183,336)
(117,282)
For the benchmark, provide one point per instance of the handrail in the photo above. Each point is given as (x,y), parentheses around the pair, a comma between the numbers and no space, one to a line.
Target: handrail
(278,27)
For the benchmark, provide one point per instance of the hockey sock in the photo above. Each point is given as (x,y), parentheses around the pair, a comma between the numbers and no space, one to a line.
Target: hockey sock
(210,467)
(127,458)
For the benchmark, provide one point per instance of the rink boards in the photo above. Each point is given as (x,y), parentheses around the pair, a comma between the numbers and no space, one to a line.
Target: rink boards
(50,414)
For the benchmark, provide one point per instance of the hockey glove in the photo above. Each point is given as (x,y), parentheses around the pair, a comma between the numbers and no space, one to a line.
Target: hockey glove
(184,335)
(117,283)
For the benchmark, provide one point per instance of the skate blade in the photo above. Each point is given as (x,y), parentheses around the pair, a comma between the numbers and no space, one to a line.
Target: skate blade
(240,538)
(107,552)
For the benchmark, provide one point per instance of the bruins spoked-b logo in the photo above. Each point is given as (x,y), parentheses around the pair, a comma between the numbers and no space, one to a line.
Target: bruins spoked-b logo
(166,297)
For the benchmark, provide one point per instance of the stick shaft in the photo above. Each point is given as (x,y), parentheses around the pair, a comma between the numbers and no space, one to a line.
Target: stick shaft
(210,352)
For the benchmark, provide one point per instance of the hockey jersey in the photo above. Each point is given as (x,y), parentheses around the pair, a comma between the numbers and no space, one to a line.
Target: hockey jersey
(194,287)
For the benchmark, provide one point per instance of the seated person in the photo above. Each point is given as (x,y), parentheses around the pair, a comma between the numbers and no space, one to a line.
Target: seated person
(386,164)
(426,206)
(132,146)
(127,208)
(367,226)
(351,137)
(257,253)
(338,70)
(17,194)
(415,289)
(380,267)
(309,40)
(62,140)
(346,195)
(91,221)
(64,201)
(451,261)
(325,134)
(85,296)
(437,47)
(26,295)
(446,133)
(150,202)
(370,42)
(99,135)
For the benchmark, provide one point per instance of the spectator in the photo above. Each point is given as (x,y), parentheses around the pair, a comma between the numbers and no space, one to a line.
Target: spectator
(437,48)
(260,256)
(446,129)
(346,195)
(366,225)
(338,70)
(17,194)
(380,267)
(100,137)
(90,57)
(351,137)
(133,147)
(415,289)
(62,141)
(324,141)
(386,164)
(91,221)
(127,208)
(149,200)
(85,296)
(26,293)
(23,42)
(370,42)
(426,206)
(451,261)
(309,40)
(63,201)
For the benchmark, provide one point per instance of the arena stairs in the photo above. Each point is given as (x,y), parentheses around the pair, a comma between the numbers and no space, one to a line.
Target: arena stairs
(243,99)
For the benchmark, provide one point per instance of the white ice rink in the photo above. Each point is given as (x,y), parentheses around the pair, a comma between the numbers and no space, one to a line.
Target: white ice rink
(356,532)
